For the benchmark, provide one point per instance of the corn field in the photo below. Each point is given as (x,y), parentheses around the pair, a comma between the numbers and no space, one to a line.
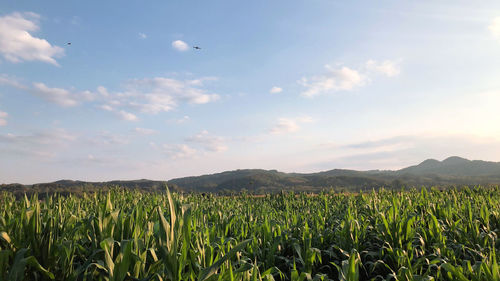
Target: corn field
(125,235)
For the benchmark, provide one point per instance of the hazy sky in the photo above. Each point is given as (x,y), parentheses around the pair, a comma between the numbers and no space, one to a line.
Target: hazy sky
(289,85)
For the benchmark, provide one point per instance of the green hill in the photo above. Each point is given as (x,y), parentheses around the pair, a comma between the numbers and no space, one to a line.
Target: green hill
(453,171)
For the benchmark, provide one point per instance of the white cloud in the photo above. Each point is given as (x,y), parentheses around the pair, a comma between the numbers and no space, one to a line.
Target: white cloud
(3,115)
(180,45)
(17,44)
(148,95)
(102,91)
(200,144)
(11,81)
(154,95)
(343,79)
(305,119)
(142,35)
(91,157)
(285,125)
(86,96)
(106,107)
(127,116)
(200,81)
(184,119)
(494,27)
(105,138)
(180,120)
(275,90)
(41,144)
(178,151)
(208,142)
(59,96)
(387,67)
(145,131)
(289,125)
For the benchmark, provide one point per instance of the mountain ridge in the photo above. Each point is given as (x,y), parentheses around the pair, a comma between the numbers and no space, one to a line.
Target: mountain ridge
(454,166)
(452,171)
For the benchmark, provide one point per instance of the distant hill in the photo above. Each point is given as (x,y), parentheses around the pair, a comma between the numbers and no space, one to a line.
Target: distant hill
(453,171)
(454,166)
(262,181)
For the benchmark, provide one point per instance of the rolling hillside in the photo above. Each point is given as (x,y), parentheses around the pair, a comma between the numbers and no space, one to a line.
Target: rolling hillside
(453,171)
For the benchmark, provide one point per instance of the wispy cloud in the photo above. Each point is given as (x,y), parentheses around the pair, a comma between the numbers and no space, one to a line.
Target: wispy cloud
(154,95)
(494,27)
(41,143)
(343,78)
(275,90)
(208,142)
(195,146)
(127,116)
(92,159)
(387,67)
(180,45)
(3,116)
(145,131)
(106,138)
(176,151)
(12,82)
(148,95)
(17,44)
(377,144)
(289,125)
(122,114)
(184,119)
(336,79)
(180,150)
(59,96)
(179,120)
(400,151)
(284,125)
(106,107)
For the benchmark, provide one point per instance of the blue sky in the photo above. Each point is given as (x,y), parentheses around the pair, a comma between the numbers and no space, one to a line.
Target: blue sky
(290,85)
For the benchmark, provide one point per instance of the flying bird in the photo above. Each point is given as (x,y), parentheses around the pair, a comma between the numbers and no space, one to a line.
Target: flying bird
(69,43)
(196,48)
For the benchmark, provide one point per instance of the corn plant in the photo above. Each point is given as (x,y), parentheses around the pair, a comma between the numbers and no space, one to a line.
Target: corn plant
(424,234)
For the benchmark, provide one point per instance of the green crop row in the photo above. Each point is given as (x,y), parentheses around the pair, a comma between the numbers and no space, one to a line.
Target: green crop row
(123,235)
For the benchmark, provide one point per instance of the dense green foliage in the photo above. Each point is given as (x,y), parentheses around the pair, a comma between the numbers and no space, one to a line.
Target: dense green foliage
(123,235)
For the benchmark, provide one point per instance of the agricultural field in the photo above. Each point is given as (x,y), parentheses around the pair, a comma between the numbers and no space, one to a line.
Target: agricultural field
(125,235)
